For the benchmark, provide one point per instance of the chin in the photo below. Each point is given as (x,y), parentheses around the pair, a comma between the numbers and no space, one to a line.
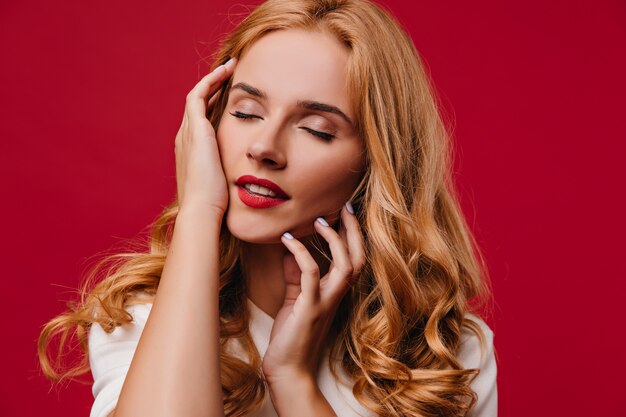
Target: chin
(252,232)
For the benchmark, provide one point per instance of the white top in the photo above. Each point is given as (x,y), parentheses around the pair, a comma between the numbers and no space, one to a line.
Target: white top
(110,355)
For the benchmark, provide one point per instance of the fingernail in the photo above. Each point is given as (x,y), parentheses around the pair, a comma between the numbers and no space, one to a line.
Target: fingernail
(349,207)
(287,235)
(322,221)
(229,61)
(218,68)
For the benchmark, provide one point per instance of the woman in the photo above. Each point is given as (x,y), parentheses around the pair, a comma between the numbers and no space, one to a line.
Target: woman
(262,293)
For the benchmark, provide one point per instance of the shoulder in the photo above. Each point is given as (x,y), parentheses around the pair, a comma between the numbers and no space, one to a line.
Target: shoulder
(110,355)
(475,355)
(471,352)
(98,337)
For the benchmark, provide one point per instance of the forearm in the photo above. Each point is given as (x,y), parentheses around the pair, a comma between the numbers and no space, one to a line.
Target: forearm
(299,397)
(176,367)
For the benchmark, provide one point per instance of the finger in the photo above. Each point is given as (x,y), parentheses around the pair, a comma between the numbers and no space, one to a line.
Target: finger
(181,155)
(179,151)
(184,127)
(206,87)
(354,239)
(213,99)
(340,275)
(342,234)
(178,157)
(209,83)
(310,272)
(293,278)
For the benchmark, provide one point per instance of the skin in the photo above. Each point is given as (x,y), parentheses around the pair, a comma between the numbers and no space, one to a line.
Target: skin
(287,278)
(319,175)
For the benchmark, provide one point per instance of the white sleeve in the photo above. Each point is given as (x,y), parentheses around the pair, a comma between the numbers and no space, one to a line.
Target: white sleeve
(471,356)
(110,355)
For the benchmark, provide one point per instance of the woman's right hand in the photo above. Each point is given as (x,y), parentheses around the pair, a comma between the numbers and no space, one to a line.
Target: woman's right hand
(200,177)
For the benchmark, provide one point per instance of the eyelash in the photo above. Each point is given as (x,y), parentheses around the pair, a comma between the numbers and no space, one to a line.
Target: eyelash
(325,136)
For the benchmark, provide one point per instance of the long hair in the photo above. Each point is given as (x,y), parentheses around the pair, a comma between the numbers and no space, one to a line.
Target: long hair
(397,331)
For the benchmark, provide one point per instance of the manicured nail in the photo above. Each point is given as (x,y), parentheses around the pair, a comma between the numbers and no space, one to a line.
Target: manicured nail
(349,207)
(322,221)
(287,235)
(229,61)
(218,68)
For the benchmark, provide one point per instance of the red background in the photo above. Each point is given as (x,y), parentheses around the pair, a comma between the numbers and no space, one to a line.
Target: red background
(93,93)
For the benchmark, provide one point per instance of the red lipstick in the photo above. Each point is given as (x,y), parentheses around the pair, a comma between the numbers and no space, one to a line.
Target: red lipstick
(255,200)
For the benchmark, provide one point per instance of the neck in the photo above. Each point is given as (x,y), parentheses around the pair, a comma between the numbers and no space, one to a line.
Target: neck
(264,275)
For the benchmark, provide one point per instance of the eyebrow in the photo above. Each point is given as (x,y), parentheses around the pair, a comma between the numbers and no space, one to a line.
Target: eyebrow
(306,104)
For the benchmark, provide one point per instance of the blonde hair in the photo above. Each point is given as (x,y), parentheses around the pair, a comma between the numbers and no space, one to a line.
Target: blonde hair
(397,331)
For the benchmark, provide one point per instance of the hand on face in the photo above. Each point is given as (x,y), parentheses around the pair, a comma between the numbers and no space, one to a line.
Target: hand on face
(302,324)
(199,173)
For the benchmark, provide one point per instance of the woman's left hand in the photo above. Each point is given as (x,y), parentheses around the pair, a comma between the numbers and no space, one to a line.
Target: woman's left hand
(302,324)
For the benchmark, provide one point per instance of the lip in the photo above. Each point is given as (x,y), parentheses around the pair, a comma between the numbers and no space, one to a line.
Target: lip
(256,201)
(251,179)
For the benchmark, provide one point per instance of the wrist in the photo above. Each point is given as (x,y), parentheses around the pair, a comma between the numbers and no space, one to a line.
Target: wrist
(287,376)
(200,213)
(293,382)
(299,396)
(285,389)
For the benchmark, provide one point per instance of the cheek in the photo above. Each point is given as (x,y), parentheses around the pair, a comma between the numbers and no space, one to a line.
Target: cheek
(329,181)
(223,131)
(227,145)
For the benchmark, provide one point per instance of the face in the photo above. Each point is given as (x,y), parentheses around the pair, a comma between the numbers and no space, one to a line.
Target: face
(311,151)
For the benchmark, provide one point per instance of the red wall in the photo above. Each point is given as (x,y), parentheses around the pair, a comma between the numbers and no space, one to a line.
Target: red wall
(93,93)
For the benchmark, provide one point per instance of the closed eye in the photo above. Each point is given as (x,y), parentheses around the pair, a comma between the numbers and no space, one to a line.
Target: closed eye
(241,115)
(325,136)
(322,135)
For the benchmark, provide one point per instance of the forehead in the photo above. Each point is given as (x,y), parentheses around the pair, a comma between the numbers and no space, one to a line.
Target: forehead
(294,64)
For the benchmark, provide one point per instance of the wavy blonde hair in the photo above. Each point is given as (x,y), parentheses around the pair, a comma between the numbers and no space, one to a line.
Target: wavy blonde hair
(397,331)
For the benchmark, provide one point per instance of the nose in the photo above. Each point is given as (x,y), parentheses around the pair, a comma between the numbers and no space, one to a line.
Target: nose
(265,150)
